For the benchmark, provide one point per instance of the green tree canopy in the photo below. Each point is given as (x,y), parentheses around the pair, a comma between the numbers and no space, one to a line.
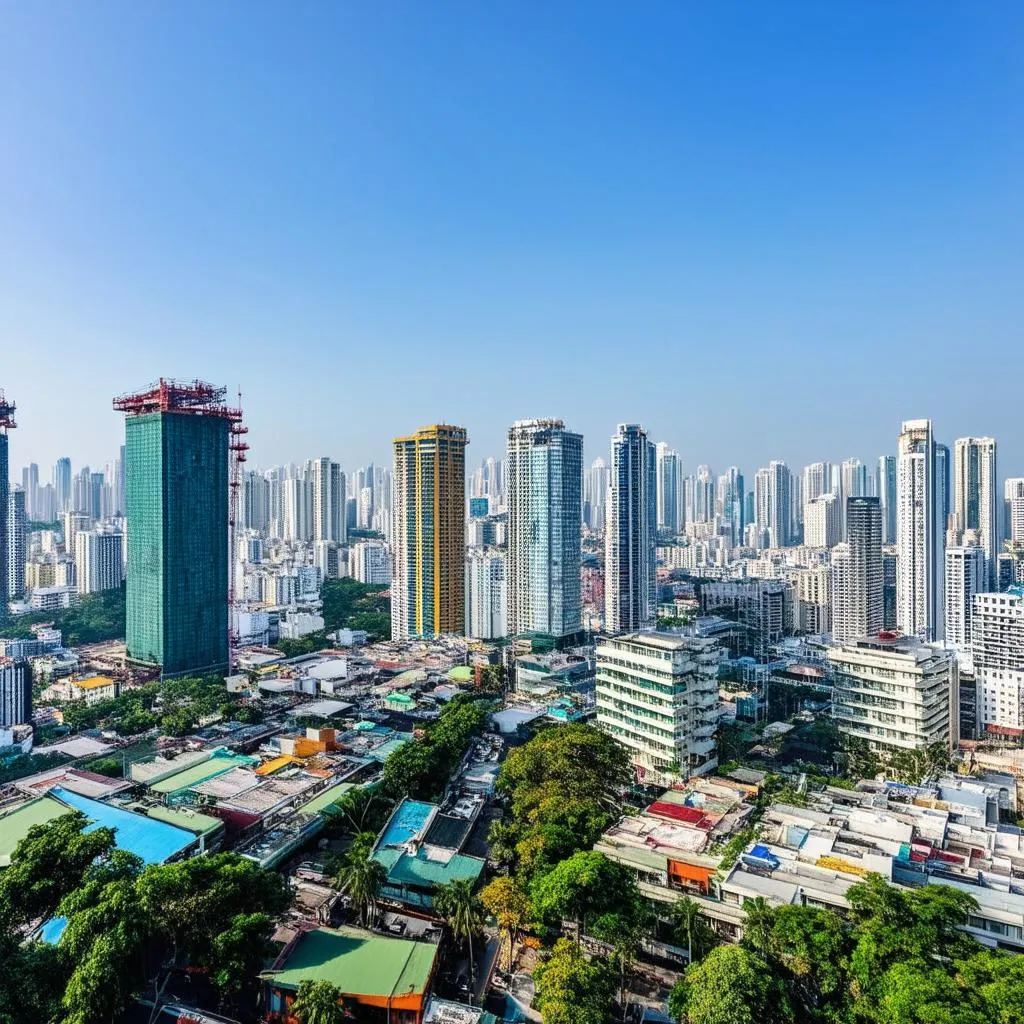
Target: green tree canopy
(572,989)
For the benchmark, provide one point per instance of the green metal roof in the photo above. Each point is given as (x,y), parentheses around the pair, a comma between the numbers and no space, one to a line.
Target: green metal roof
(326,798)
(358,963)
(419,870)
(461,674)
(14,824)
(192,821)
(197,773)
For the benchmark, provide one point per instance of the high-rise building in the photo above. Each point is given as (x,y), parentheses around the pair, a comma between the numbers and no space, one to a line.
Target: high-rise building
(371,562)
(428,593)
(976,498)
(668,489)
(1013,508)
(176,497)
(857,578)
(630,587)
(855,478)
(815,481)
(943,482)
(486,594)
(595,495)
(896,693)
(15,567)
(704,495)
(544,466)
(730,489)
(7,410)
(823,522)
(99,560)
(920,533)
(15,692)
(966,575)
(997,646)
(889,574)
(62,485)
(657,695)
(328,502)
(297,505)
(773,498)
(885,488)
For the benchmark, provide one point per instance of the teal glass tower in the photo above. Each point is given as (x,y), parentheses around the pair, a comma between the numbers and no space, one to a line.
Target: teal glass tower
(177,444)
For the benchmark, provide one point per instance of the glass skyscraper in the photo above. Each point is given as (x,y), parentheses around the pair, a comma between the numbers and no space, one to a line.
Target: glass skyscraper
(176,493)
(545,511)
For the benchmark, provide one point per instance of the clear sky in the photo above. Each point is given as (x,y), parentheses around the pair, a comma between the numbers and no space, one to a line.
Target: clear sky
(763,230)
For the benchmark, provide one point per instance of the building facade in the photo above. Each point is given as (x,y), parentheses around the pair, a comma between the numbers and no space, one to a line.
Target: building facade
(328,502)
(16,526)
(99,560)
(976,498)
(668,489)
(857,575)
(371,562)
(631,532)
(657,695)
(966,575)
(823,521)
(997,646)
(486,594)
(428,591)
(15,692)
(885,489)
(544,502)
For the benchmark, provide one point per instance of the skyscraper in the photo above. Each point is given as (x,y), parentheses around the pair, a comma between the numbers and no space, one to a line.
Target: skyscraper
(823,521)
(772,501)
(486,594)
(976,497)
(176,493)
(997,644)
(704,495)
(730,488)
(815,481)
(544,463)
(668,489)
(966,575)
(428,595)
(99,561)
(7,410)
(596,494)
(1013,504)
(919,533)
(857,579)
(943,470)
(328,502)
(15,566)
(631,532)
(885,488)
(62,484)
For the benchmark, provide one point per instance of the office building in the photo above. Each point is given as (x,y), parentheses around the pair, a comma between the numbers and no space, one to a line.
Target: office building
(62,486)
(704,495)
(15,692)
(371,562)
(657,695)
(631,532)
(428,592)
(730,503)
(857,575)
(966,575)
(99,560)
(668,489)
(15,552)
(176,497)
(885,488)
(976,498)
(997,647)
(823,521)
(896,693)
(544,476)
(920,533)
(328,486)
(486,594)
(595,495)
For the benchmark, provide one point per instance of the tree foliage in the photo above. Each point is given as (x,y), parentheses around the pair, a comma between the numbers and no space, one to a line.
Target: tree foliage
(572,989)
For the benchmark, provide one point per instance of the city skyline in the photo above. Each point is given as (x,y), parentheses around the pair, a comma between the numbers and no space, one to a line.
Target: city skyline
(658,183)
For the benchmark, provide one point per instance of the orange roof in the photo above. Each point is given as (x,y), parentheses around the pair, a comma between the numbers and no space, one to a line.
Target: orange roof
(269,767)
(93,682)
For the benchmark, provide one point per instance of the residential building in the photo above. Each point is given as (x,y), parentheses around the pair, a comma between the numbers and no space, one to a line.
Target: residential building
(976,498)
(631,532)
(428,592)
(857,576)
(896,692)
(1013,508)
(815,481)
(7,410)
(823,521)
(99,560)
(544,467)
(920,533)
(763,606)
(997,647)
(773,503)
(61,485)
(53,599)
(668,495)
(813,587)
(328,502)
(486,594)
(595,495)
(885,488)
(371,562)
(730,502)
(657,695)
(15,564)
(176,496)
(889,575)
(966,575)
(15,692)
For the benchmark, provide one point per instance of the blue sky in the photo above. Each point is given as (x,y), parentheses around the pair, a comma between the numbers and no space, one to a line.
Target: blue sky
(762,230)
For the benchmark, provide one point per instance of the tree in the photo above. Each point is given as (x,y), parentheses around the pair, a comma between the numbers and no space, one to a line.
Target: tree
(361,877)
(361,809)
(238,954)
(759,927)
(510,906)
(731,986)
(813,946)
(572,989)
(584,887)
(914,994)
(318,1002)
(692,929)
(460,907)
(998,979)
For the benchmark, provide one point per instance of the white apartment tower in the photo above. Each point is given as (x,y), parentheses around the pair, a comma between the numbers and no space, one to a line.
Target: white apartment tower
(997,644)
(630,587)
(1013,501)
(544,501)
(976,497)
(773,503)
(485,594)
(823,522)
(815,477)
(966,575)
(857,596)
(99,561)
(328,502)
(668,489)
(919,533)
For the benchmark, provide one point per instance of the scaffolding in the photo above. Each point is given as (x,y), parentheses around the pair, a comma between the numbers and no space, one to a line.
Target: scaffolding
(7,410)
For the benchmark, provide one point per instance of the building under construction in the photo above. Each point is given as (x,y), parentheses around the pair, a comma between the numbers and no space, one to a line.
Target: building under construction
(178,438)
(7,410)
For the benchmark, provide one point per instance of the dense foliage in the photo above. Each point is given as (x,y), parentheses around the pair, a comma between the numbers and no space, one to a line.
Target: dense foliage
(572,989)
(96,618)
(126,924)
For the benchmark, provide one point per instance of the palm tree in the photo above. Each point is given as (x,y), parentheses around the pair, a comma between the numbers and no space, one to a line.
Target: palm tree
(361,877)
(460,907)
(318,1002)
(759,927)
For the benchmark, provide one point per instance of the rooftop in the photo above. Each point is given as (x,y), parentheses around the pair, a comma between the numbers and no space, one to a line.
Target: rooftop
(358,963)
(15,823)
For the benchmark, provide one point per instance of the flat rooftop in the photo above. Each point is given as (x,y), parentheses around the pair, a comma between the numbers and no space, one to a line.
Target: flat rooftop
(16,822)
(187,778)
